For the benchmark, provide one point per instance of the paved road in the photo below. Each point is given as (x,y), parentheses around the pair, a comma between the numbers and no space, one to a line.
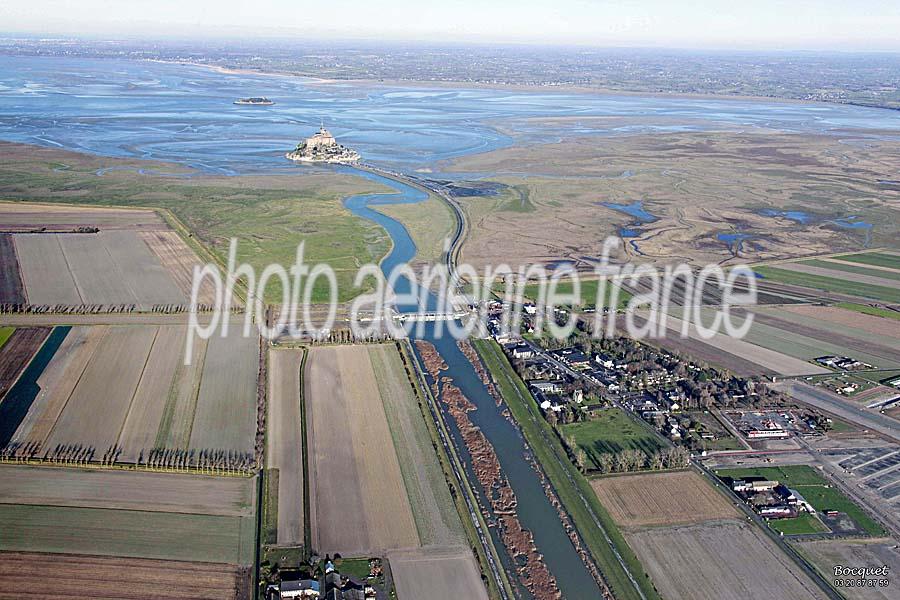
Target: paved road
(845,409)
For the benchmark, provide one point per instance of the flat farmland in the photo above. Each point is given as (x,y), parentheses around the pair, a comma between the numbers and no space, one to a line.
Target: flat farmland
(225,417)
(437,575)
(826,554)
(127,490)
(126,385)
(285,441)
(127,533)
(661,499)
(358,500)
(12,290)
(57,381)
(15,353)
(765,358)
(830,316)
(806,338)
(436,518)
(889,292)
(721,560)
(64,255)
(109,267)
(96,410)
(30,574)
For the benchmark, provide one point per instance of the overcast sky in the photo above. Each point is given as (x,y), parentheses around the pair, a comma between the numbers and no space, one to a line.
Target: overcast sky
(748,24)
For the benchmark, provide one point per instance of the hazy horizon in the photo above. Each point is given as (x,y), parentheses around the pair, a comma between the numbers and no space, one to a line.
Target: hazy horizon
(770,25)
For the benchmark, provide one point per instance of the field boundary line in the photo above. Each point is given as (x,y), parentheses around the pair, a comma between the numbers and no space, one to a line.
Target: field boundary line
(77,383)
(138,386)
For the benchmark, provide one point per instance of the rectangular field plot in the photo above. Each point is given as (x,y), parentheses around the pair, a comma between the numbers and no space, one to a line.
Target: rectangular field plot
(127,490)
(87,256)
(285,442)
(126,386)
(97,408)
(661,499)
(226,405)
(358,500)
(437,575)
(87,577)
(130,533)
(722,560)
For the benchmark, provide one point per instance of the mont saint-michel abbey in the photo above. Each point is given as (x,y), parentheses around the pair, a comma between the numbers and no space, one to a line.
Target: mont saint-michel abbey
(322,147)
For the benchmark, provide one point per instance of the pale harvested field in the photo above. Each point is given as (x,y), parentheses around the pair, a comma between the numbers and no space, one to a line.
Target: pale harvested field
(436,518)
(127,490)
(179,260)
(445,574)
(358,499)
(826,554)
(840,275)
(32,319)
(776,362)
(96,410)
(141,426)
(226,405)
(661,499)
(718,560)
(177,418)
(28,215)
(285,439)
(35,575)
(848,318)
(44,271)
(57,382)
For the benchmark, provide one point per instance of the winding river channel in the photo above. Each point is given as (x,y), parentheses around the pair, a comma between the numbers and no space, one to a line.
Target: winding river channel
(534,509)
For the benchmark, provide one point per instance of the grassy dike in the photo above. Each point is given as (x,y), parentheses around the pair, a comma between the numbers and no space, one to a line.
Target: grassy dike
(618,563)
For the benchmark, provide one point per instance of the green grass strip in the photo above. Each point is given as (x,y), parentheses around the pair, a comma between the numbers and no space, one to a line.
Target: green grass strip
(870,310)
(830,284)
(5,332)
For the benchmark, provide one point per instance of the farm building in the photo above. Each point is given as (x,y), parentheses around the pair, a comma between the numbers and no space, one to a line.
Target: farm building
(303,588)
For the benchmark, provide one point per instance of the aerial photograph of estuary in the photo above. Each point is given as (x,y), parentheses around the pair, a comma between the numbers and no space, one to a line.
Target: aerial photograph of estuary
(428,301)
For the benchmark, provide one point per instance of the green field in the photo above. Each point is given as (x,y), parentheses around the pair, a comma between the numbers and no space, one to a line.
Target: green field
(589,290)
(113,532)
(269,215)
(879,259)
(870,310)
(801,525)
(830,284)
(574,490)
(5,332)
(817,491)
(860,270)
(608,432)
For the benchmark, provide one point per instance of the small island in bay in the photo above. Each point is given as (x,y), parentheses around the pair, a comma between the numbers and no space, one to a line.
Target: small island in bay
(322,147)
(255,101)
